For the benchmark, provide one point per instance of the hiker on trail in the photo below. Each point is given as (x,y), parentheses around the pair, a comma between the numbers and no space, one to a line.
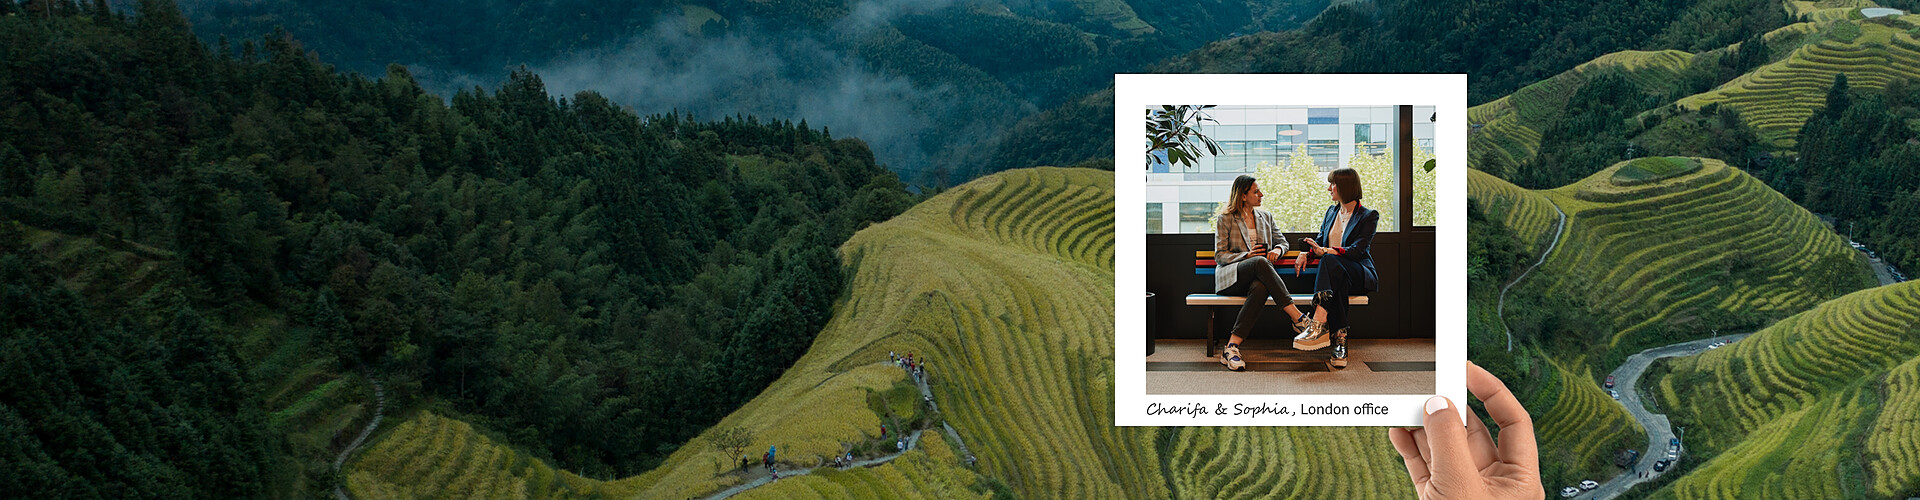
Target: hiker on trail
(770,454)
(883,431)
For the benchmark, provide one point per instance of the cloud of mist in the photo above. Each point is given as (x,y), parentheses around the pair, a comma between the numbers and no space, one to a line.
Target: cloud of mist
(751,73)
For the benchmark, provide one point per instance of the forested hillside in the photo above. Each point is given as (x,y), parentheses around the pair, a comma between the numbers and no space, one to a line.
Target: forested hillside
(932,84)
(210,251)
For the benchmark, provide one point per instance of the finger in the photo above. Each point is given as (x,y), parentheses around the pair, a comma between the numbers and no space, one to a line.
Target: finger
(1479,441)
(1516,427)
(1420,441)
(1451,462)
(1410,453)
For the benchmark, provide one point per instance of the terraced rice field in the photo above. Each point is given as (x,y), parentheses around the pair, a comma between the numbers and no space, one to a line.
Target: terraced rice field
(1779,97)
(431,456)
(1788,412)
(924,472)
(1004,286)
(1511,126)
(1895,442)
(1526,212)
(1259,462)
(1582,427)
(1661,254)
(1826,10)
(1809,453)
(1115,13)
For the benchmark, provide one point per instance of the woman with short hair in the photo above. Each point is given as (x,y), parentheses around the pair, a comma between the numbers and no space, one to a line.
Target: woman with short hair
(1346,267)
(1245,247)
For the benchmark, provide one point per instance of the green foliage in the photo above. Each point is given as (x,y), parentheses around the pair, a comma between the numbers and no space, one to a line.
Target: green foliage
(145,400)
(1856,162)
(1494,254)
(1175,131)
(581,279)
(1590,134)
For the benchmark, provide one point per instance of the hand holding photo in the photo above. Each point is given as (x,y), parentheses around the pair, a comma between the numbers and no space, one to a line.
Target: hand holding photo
(1324,179)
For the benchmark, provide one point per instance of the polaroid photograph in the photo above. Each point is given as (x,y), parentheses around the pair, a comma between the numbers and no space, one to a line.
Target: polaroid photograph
(1287,234)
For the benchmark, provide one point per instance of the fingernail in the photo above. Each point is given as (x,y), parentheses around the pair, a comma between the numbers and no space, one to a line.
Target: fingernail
(1436,403)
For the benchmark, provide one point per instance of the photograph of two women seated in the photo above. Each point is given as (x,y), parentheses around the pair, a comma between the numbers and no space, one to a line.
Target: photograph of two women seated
(1290,258)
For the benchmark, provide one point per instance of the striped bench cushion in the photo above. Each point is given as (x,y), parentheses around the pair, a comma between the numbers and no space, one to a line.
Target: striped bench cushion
(1208,299)
(1203,263)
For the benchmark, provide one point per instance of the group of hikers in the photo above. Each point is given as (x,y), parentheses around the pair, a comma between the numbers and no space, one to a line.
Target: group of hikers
(915,367)
(766,460)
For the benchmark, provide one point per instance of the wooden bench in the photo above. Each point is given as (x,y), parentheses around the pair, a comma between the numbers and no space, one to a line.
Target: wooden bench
(1203,265)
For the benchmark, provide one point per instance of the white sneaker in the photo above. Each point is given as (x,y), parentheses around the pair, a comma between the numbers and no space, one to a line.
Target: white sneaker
(1230,356)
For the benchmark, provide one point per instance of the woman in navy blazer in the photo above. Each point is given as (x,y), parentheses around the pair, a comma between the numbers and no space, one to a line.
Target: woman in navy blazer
(1346,267)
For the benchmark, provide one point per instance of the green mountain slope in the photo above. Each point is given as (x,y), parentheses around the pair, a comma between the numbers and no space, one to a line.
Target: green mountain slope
(1663,260)
(1778,98)
(1817,405)
(1002,285)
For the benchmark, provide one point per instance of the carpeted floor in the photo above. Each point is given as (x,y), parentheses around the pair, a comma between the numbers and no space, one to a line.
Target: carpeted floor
(1374,366)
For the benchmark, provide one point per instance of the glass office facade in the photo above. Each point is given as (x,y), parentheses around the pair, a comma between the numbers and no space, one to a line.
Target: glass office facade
(1179,198)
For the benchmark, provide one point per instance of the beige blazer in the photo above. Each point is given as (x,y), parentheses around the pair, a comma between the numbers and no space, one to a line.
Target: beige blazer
(1231,245)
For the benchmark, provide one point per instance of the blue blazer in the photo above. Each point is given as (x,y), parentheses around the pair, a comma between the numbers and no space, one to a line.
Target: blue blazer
(1356,242)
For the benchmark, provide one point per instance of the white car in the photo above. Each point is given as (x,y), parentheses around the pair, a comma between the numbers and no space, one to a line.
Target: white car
(1589,484)
(1613,394)
(1569,492)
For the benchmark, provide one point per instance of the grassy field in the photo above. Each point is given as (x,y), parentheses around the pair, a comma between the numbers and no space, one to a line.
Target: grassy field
(1819,405)
(1511,126)
(1645,170)
(1004,285)
(1778,97)
(1662,261)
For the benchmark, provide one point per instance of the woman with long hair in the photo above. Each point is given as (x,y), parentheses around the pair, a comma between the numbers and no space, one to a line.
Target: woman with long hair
(1245,247)
(1346,267)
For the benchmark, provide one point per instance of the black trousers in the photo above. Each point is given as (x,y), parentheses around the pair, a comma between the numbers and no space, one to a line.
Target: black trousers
(1258,280)
(1342,277)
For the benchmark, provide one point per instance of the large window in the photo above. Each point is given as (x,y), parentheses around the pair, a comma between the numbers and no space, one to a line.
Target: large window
(1290,149)
(1155,211)
(1196,217)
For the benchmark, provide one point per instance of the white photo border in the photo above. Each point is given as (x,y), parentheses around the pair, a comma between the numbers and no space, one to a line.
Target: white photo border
(1135,92)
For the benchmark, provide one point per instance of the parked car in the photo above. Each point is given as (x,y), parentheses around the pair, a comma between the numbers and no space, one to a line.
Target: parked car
(1660,466)
(1675,442)
(1569,492)
(1589,484)
(1609,381)
(1614,394)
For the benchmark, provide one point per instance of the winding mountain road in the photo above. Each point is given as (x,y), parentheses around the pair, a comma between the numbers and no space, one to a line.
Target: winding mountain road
(1626,381)
(1500,310)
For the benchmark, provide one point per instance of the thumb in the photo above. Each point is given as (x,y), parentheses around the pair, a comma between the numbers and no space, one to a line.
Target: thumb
(1452,465)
